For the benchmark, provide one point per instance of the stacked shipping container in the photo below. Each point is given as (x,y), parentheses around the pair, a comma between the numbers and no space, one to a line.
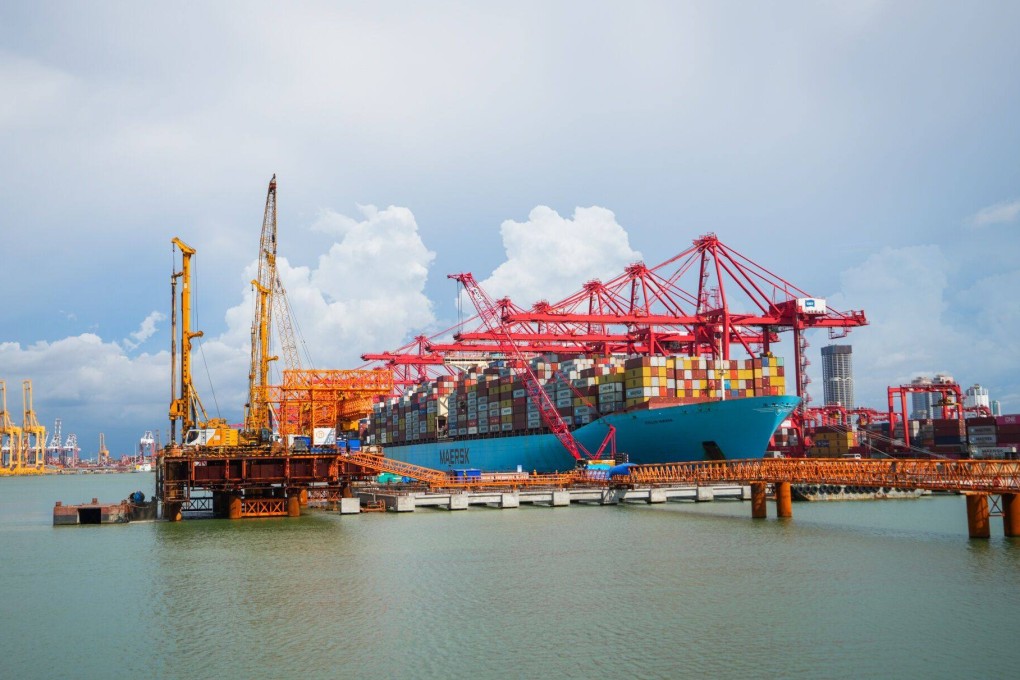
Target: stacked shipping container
(490,400)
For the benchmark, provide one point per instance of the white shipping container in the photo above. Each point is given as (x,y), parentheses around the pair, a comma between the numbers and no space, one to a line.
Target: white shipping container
(323,436)
(983,439)
(993,452)
(811,305)
(980,429)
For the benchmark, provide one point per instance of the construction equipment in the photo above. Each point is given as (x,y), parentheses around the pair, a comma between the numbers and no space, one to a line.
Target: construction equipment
(268,293)
(197,429)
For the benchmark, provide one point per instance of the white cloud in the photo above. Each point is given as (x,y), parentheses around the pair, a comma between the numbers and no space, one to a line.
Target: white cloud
(549,257)
(1000,213)
(91,385)
(365,293)
(145,330)
(921,324)
(32,92)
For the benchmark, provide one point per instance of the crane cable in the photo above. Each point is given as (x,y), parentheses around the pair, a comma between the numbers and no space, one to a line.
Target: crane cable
(201,347)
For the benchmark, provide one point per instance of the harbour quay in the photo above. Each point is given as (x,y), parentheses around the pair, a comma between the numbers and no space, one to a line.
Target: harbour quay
(410,500)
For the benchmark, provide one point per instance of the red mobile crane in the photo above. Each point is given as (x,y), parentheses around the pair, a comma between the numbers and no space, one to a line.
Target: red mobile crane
(488,312)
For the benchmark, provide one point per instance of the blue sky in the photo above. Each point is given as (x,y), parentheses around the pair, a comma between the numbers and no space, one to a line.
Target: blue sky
(865,151)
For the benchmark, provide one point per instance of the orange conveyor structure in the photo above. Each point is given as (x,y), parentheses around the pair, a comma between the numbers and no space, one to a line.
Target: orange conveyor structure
(978,479)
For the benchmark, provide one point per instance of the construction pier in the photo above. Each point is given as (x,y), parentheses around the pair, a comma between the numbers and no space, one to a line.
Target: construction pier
(245,485)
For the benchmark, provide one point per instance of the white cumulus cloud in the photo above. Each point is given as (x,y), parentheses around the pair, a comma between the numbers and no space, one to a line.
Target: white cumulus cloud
(548,257)
(920,323)
(365,293)
(145,330)
(1000,213)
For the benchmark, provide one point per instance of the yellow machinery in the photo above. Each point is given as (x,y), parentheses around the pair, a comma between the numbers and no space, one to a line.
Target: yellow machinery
(257,422)
(197,429)
(103,457)
(33,433)
(308,399)
(10,436)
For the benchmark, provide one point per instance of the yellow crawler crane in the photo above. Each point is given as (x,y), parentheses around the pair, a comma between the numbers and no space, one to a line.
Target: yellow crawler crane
(33,434)
(10,437)
(271,306)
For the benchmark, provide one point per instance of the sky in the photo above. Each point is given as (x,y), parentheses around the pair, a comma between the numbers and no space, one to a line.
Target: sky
(865,151)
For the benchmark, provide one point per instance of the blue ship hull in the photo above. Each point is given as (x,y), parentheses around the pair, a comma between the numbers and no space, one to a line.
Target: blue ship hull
(738,428)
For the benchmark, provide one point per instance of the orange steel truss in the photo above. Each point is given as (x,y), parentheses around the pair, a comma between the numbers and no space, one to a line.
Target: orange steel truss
(983,476)
(439,479)
(325,398)
(263,507)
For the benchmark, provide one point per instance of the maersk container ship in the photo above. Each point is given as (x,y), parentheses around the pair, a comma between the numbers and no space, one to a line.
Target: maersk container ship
(722,429)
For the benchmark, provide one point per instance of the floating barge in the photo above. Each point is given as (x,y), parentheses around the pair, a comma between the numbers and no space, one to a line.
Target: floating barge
(132,509)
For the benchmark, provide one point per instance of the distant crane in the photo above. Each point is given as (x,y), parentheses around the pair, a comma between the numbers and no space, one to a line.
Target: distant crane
(147,447)
(54,450)
(10,434)
(33,433)
(489,313)
(103,457)
(71,451)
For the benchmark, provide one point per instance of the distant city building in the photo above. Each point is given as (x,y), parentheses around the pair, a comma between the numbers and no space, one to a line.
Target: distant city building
(925,405)
(838,375)
(977,396)
(996,408)
(921,402)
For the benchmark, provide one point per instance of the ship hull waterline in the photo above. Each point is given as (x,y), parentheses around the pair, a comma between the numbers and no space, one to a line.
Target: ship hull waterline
(726,430)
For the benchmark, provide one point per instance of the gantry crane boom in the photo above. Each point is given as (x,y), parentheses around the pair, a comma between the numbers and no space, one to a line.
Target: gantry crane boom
(10,434)
(33,433)
(489,314)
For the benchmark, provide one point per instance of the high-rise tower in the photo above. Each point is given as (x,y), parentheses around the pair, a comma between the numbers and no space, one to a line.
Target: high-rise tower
(838,375)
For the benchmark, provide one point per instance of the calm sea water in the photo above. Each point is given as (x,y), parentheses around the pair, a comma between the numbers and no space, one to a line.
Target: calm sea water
(844,590)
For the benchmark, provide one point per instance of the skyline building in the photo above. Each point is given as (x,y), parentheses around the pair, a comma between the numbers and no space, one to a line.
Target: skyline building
(977,396)
(838,375)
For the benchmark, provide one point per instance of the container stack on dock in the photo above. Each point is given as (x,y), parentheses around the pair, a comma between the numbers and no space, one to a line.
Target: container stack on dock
(831,442)
(492,399)
(994,437)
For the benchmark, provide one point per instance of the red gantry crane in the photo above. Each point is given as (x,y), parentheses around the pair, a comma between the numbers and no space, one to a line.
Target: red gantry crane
(488,311)
(735,303)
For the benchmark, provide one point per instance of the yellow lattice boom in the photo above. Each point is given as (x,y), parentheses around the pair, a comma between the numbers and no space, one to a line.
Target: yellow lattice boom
(328,398)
